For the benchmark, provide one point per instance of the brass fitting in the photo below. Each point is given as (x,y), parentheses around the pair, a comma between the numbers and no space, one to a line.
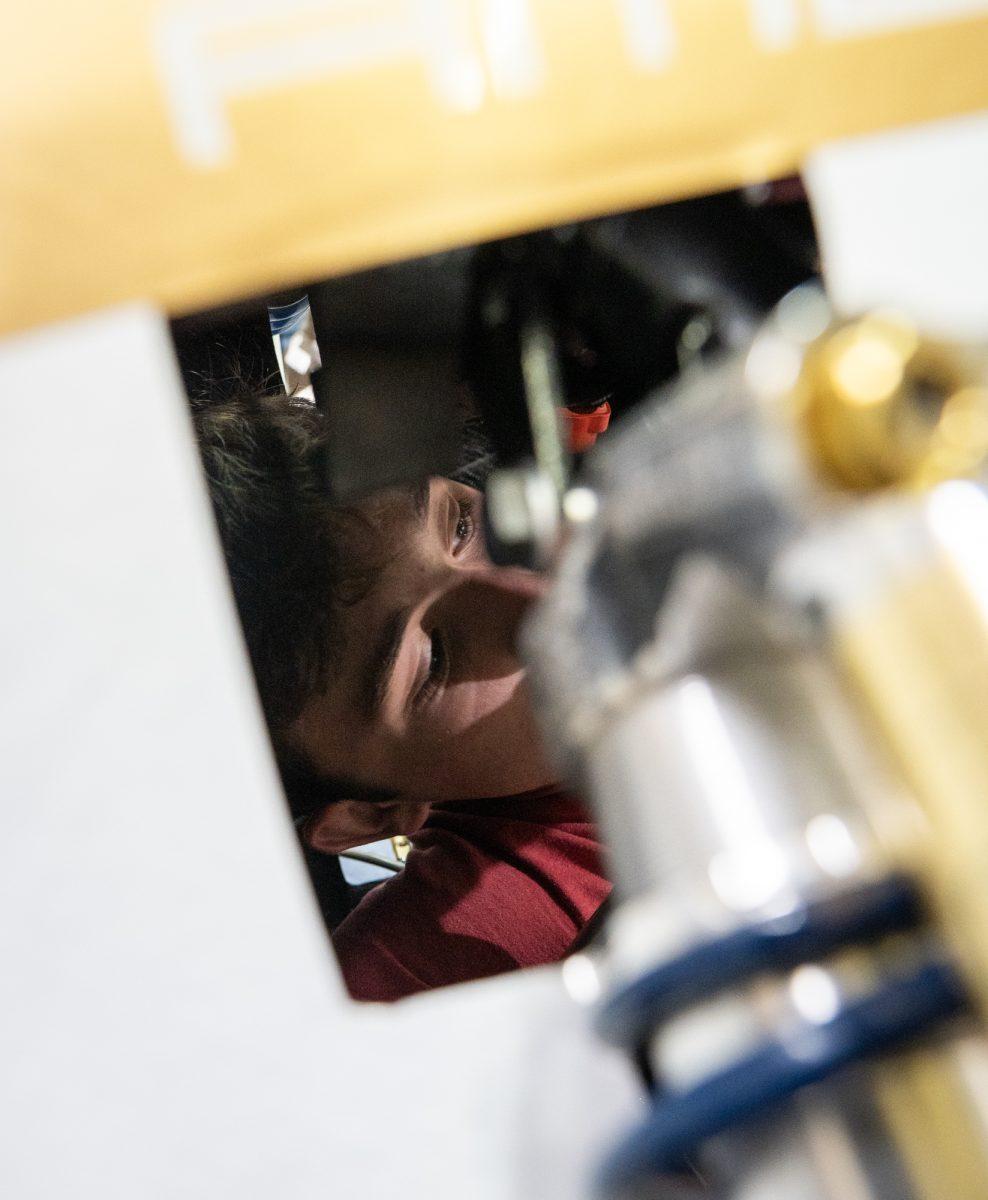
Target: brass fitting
(882,406)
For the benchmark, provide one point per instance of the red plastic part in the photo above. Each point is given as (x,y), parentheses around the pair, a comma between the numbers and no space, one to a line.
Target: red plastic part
(585,428)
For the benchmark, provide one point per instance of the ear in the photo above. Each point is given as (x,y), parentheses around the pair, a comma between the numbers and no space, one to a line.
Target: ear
(347,823)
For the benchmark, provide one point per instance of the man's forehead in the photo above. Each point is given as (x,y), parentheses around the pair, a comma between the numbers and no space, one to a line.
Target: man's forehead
(399,504)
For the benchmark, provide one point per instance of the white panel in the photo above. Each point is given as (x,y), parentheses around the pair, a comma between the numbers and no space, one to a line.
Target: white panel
(172,1024)
(160,948)
(902,221)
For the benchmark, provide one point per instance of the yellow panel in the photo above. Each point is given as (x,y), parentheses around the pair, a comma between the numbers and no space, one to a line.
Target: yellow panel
(190,151)
(934,1123)
(919,657)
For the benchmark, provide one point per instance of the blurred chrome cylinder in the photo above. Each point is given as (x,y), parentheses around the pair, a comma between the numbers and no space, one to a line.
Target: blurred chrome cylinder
(746,769)
(768,944)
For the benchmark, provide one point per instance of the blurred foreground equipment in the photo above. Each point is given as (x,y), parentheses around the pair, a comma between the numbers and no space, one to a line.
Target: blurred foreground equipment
(766,660)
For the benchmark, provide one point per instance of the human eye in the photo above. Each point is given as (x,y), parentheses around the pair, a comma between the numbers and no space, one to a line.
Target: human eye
(467,524)
(437,671)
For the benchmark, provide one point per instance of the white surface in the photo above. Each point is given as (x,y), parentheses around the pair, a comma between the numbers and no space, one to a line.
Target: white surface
(903,221)
(357,872)
(171,1021)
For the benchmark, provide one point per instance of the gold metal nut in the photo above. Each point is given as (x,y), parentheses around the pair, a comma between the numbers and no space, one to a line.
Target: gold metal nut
(881,406)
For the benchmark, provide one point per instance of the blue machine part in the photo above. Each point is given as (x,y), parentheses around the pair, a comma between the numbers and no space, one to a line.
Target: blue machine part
(809,933)
(895,1013)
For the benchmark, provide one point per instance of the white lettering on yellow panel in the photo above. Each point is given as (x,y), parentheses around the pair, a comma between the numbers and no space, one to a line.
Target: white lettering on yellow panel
(856,18)
(514,58)
(215,51)
(204,66)
(649,34)
(212,52)
(777,24)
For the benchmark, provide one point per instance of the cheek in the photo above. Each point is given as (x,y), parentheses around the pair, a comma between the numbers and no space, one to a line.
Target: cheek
(485,701)
(483,741)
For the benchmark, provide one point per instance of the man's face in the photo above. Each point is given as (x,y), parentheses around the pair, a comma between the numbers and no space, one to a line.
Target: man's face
(430,700)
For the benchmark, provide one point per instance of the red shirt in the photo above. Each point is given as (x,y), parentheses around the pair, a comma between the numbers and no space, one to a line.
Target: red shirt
(489,886)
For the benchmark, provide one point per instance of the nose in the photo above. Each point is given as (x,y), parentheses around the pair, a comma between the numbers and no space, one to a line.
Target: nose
(524,586)
(486,605)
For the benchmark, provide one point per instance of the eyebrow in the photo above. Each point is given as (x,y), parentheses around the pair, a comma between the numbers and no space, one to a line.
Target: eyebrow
(420,499)
(380,663)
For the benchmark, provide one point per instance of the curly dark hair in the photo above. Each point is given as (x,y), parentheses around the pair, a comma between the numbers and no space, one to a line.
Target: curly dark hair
(294,558)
